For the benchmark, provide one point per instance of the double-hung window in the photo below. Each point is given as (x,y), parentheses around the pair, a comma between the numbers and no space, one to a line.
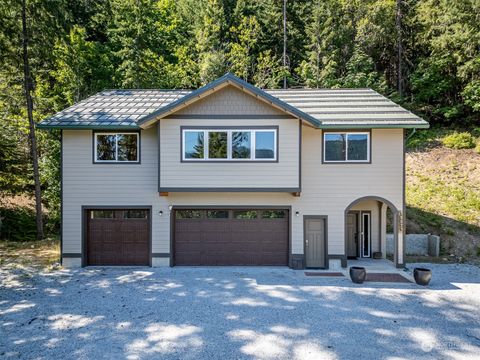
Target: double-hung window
(233,144)
(348,147)
(116,147)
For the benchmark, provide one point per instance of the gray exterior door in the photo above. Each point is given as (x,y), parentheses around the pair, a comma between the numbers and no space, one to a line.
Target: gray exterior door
(352,235)
(315,242)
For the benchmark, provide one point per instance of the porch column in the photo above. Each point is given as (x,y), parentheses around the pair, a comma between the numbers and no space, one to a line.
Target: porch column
(400,261)
(383,229)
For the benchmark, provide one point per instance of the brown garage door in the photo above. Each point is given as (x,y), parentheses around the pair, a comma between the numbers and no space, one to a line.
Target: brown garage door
(231,237)
(118,237)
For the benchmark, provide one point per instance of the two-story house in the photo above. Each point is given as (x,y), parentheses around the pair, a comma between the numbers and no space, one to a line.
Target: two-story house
(231,174)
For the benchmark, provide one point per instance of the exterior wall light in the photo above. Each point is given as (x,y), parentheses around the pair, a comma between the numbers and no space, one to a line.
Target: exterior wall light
(297,213)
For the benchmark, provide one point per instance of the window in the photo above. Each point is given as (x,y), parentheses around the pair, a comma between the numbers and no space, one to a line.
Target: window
(188,214)
(102,214)
(273,214)
(217,214)
(230,144)
(116,147)
(346,147)
(245,214)
(135,214)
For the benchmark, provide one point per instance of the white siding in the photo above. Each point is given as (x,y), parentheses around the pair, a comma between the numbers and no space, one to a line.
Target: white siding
(229,101)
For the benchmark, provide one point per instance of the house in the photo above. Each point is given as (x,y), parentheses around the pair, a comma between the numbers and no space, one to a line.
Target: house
(231,174)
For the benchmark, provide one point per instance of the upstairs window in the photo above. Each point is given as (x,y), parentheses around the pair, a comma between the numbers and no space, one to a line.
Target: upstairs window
(346,147)
(116,147)
(229,144)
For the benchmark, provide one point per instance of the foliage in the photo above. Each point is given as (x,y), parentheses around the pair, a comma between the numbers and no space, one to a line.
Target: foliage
(82,47)
(17,224)
(459,141)
(477,148)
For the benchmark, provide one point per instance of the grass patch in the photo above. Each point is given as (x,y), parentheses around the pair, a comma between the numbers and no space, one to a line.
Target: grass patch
(39,254)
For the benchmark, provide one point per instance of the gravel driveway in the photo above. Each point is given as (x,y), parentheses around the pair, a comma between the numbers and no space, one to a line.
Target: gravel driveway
(236,313)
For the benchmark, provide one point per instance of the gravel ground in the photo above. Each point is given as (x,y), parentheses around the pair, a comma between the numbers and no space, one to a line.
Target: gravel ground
(236,313)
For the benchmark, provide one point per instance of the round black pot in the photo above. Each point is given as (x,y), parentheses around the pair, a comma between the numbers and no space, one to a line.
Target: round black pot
(422,276)
(358,274)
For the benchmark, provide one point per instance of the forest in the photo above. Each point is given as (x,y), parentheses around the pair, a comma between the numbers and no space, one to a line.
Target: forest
(423,54)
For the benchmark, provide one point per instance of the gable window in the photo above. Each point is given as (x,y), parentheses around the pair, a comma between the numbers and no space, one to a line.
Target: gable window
(346,147)
(116,147)
(229,144)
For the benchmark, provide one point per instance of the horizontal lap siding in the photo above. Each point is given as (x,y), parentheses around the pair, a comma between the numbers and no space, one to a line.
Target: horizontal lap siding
(327,189)
(230,101)
(85,183)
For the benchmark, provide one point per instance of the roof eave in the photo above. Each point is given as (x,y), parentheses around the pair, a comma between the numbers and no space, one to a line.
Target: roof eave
(87,127)
(376,126)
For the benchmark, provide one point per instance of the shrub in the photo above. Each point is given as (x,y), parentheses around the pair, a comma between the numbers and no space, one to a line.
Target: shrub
(459,141)
(477,148)
(17,224)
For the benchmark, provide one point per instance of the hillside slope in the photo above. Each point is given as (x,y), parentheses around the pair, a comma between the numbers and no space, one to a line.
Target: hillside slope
(443,198)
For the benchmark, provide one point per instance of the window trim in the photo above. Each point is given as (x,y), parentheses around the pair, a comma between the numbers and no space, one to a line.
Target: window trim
(229,130)
(346,133)
(116,161)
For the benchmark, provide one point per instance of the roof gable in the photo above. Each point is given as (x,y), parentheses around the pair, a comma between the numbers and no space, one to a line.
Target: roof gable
(217,85)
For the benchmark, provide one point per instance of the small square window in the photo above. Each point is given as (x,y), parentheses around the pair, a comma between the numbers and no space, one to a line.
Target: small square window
(217,214)
(102,214)
(188,214)
(245,214)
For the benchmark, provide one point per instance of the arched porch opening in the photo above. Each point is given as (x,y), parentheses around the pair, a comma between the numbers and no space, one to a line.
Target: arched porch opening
(369,234)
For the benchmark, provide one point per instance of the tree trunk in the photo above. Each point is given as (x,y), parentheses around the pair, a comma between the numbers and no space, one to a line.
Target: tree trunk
(31,137)
(398,23)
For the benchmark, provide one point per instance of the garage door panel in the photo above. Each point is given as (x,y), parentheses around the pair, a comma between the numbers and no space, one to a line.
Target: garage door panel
(231,241)
(118,239)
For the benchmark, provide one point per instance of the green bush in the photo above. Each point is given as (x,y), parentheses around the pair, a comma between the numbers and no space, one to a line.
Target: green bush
(17,224)
(477,148)
(459,141)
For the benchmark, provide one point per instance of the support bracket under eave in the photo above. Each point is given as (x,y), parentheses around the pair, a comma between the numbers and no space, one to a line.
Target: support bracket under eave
(297,194)
(163,193)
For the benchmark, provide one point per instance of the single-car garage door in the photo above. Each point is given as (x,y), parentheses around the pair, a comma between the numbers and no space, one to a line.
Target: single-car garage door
(117,237)
(231,237)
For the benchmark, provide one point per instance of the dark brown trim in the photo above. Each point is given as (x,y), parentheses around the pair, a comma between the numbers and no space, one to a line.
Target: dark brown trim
(325,238)
(300,155)
(72,255)
(380,227)
(346,162)
(61,197)
(229,117)
(404,206)
(190,189)
(239,161)
(85,208)
(158,154)
(117,162)
(229,207)
(161,255)
(377,198)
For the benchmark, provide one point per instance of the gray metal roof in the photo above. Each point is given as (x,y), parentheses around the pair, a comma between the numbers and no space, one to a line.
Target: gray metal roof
(112,109)
(323,108)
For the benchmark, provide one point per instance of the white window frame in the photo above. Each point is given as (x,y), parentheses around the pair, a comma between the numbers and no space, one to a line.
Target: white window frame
(229,132)
(347,134)
(116,161)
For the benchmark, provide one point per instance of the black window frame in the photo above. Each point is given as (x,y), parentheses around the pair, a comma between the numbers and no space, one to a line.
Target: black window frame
(230,130)
(116,133)
(346,133)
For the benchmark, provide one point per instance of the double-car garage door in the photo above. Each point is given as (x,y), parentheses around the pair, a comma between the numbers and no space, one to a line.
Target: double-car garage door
(200,236)
(231,237)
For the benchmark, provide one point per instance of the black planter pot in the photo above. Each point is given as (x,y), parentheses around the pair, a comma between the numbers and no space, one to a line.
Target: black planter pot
(422,276)
(358,274)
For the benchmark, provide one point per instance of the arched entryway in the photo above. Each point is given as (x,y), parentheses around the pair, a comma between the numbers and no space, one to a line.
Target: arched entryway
(369,234)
